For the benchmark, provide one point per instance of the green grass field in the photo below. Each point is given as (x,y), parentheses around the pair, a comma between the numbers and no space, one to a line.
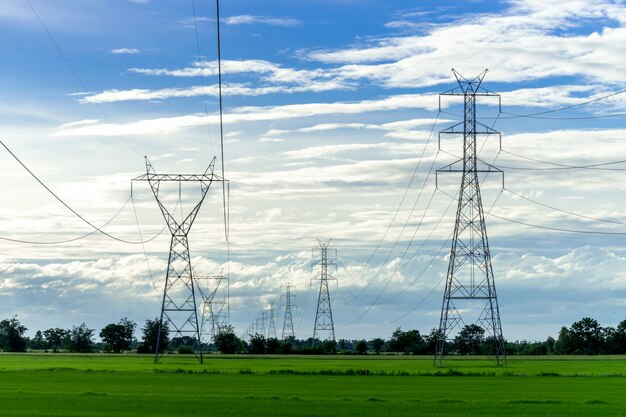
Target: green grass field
(131,385)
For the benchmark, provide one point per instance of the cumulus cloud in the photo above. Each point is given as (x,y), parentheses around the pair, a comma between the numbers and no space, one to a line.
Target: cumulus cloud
(519,44)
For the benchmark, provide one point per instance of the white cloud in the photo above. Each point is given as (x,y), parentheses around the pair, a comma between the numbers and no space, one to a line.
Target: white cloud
(251,114)
(125,51)
(517,45)
(262,20)
(112,96)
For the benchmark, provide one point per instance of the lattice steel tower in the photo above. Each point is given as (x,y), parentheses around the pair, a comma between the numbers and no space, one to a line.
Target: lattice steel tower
(213,317)
(470,274)
(271,329)
(179,308)
(288,331)
(324,324)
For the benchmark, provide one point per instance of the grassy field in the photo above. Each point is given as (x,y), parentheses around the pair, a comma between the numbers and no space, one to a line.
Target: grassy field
(131,385)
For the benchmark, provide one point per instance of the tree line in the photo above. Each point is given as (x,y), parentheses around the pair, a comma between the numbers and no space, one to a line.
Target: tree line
(583,337)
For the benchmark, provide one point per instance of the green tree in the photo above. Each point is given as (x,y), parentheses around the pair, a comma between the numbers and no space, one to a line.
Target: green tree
(377,345)
(563,344)
(12,335)
(617,339)
(118,336)
(405,342)
(329,347)
(361,347)
(150,334)
(273,345)
(81,339)
(226,341)
(37,342)
(587,337)
(56,338)
(470,338)
(257,344)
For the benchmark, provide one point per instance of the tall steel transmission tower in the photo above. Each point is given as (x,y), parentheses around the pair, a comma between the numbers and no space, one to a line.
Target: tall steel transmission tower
(324,325)
(288,331)
(179,308)
(470,274)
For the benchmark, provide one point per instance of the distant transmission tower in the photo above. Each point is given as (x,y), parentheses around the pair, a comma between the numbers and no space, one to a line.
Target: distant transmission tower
(271,330)
(179,309)
(324,325)
(213,317)
(470,275)
(288,331)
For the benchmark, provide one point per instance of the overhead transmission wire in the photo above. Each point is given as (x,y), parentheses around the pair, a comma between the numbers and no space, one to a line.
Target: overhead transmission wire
(60,200)
(74,73)
(406,190)
(225,194)
(402,232)
(560,166)
(202,83)
(538,115)
(561,229)
(59,242)
(143,246)
(375,302)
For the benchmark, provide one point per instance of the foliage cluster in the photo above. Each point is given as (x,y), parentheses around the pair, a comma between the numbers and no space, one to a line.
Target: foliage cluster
(583,337)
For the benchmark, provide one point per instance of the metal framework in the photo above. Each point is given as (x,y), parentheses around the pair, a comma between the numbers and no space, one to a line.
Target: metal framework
(179,308)
(324,325)
(271,328)
(470,274)
(213,318)
(288,331)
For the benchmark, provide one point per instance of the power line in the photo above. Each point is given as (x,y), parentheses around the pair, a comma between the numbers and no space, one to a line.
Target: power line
(219,76)
(537,114)
(73,71)
(60,200)
(557,229)
(58,242)
(561,166)
(406,190)
(565,211)
(199,55)
(584,103)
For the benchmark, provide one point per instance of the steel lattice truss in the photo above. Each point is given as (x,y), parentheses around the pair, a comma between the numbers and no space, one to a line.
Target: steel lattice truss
(324,328)
(179,308)
(470,274)
(288,331)
(213,316)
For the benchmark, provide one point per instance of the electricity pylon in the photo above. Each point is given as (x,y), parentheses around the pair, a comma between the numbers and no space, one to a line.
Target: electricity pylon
(213,318)
(288,331)
(179,309)
(470,274)
(324,324)
(271,330)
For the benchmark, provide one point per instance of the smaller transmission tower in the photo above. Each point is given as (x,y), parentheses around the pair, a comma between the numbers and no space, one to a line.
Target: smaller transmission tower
(271,329)
(324,328)
(213,309)
(288,331)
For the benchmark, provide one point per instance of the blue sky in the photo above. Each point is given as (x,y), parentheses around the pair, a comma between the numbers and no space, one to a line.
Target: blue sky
(329,107)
